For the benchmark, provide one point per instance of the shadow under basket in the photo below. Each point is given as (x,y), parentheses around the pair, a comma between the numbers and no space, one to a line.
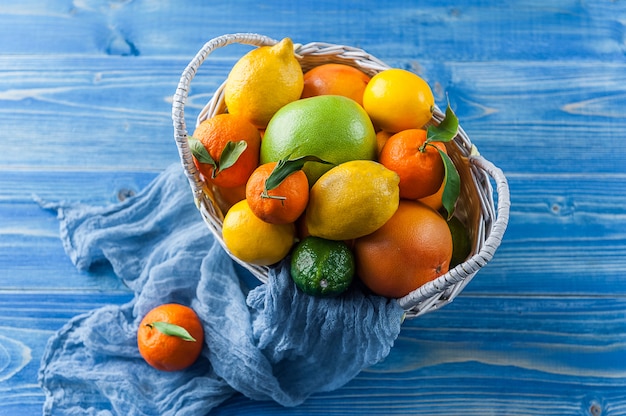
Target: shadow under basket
(475,208)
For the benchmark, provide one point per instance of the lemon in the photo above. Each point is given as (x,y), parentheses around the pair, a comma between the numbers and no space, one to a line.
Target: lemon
(321,267)
(262,81)
(254,241)
(331,127)
(352,200)
(398,100)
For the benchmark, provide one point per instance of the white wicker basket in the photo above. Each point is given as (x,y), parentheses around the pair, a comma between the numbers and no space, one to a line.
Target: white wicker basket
(475,208)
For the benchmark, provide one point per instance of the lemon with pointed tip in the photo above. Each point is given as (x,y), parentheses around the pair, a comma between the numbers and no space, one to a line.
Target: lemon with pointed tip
(351,200)
(262,81)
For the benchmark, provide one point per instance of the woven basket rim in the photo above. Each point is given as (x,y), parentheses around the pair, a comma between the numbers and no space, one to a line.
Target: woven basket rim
(490,222)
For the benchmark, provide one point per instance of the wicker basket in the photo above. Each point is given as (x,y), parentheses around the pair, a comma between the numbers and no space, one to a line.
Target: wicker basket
(475,208)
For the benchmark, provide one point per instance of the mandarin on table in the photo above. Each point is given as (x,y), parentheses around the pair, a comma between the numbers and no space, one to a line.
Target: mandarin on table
(411,249)
(419,165)
(170,337)
(280,205)
(335,79)
(221,132)
(397,100)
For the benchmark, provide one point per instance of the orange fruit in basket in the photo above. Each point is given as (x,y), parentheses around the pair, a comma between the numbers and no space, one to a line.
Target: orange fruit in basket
(262,81)
(411,249)
(229,151)
(435,200)
(282,204)
(227,197)
(381,138)
(398,100)
(335,79)
(419,166)
(333,128)
(253,240)
(170,337)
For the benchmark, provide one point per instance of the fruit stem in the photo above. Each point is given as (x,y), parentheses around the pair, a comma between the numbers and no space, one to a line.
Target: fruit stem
(264,194)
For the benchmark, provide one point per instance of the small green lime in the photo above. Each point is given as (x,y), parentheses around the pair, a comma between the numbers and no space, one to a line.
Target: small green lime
(321,267)
(461,243)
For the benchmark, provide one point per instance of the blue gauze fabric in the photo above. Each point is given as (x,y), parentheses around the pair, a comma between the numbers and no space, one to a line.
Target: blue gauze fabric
(271,342)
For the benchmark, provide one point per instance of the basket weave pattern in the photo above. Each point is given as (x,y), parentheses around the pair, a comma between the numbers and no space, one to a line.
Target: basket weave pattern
(475,208)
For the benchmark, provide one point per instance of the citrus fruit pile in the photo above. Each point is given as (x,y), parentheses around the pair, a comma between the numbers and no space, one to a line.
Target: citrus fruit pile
(345,171)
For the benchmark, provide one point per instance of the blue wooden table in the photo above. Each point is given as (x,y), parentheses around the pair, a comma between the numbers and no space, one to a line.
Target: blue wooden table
(540,87)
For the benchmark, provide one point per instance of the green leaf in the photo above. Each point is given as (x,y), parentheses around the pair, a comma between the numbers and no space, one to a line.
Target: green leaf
(284,168)
(172,330)
(230,154)
(200,153)
(452,187)
(446,130)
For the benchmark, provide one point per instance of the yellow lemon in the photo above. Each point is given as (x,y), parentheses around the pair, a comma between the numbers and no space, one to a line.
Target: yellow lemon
(262,81)
(351,200)
(398,100)
(255,241)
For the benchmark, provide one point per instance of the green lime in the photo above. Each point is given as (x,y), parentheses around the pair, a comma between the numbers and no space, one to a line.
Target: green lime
(321,267)
(461,243)
(333,128)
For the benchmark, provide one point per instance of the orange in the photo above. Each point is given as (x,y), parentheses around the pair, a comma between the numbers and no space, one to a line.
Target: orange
(170,337)
(381,138)
(419,166)
(221,132)
(281,205)
(227,197)
(335,79)
(435,200)
(411,249)
(397,100)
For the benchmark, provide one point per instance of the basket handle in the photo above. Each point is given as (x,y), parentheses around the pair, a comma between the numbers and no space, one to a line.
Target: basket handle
(478,260)
(182,92)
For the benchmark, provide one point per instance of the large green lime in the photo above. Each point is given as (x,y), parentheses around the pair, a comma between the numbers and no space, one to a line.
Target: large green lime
(333,128)
(321,267)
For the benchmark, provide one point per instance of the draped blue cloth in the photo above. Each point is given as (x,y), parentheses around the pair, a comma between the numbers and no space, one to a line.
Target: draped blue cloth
(267,342)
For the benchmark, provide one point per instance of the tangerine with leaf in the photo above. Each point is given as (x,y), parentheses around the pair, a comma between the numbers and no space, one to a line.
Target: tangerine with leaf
(170,337)
(225,149)
(278,192)
(420,159)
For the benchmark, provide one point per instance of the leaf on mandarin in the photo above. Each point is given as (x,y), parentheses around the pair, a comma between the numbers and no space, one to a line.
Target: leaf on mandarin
(200,153)
(452,187)
(446,130)
(230,154)
(285,167)
(172,330)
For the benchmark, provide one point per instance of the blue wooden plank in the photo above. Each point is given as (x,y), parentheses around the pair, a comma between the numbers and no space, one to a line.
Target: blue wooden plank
(85,94)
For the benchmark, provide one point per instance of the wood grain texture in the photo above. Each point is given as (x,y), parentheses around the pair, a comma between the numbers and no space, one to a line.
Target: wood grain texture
(540,87)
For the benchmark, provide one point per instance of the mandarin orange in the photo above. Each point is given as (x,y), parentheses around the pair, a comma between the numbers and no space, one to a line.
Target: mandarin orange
(227,132)
(281,205)
(419,166)
(170,337)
